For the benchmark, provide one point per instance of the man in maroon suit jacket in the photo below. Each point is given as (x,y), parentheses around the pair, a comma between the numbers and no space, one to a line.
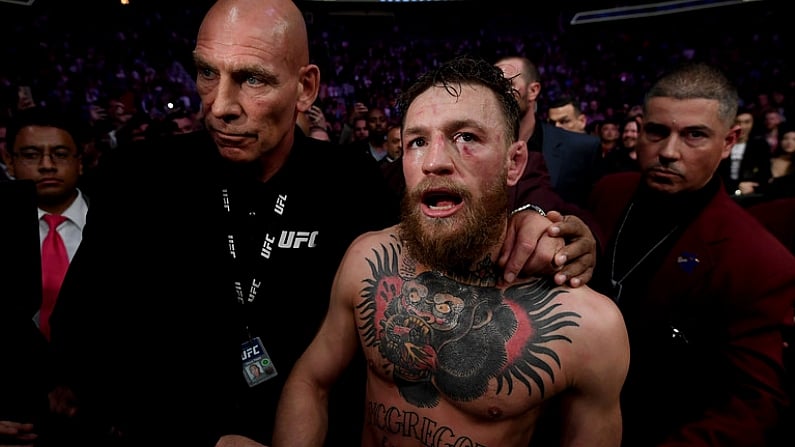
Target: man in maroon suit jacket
(706,291)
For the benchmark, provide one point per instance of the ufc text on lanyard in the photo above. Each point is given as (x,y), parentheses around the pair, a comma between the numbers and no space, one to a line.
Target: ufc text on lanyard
(257,364)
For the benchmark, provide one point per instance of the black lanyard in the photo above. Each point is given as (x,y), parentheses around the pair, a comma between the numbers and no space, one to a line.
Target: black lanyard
(250,248)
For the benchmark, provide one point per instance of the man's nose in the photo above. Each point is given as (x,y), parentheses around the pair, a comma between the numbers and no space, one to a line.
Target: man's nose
(226,102)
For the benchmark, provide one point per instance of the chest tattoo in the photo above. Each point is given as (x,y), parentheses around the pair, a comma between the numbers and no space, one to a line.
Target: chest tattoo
(440,336)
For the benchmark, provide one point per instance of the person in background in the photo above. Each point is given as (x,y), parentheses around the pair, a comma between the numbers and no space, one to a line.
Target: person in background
(772,119)
(624,157)
(564,112)
(570,158)
(183,121)
(392,164)
(705,307)
(394,146)
(609,135)
(239,209)
(352,130)
(360,130)
(375,143)
(749,156)
(45,149)
(776,179)
(445,341)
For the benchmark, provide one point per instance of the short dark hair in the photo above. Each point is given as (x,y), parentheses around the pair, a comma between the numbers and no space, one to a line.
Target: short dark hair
(46,117)
(564,100)
(698,80)
(467,70)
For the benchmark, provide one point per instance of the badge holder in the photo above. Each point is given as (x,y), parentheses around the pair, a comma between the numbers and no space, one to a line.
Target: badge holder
(257,364)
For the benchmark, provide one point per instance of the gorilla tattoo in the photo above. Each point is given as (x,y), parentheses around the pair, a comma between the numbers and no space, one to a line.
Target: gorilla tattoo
(444,337)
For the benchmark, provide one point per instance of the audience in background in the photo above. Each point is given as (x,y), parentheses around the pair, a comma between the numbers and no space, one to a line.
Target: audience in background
(776,178)
(624,157)
(571,158)
(122,72)
(749,157)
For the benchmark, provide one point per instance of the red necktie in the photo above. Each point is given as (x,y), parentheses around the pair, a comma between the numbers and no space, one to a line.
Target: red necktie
(54,262)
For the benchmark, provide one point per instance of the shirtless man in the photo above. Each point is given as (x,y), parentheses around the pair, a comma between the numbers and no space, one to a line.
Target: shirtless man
(455,357)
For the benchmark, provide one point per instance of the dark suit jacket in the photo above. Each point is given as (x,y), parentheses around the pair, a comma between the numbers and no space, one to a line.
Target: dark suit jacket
(23,374)
(754,166)
(148,327)
(727,286)
(573,162)
(26,364)
(535,187)
(778,216)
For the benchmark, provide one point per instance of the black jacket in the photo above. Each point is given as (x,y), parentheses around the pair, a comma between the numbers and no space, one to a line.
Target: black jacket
(148,327)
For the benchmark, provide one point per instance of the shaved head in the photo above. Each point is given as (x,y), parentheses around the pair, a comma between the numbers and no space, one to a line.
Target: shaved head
(277,23)
(254,78)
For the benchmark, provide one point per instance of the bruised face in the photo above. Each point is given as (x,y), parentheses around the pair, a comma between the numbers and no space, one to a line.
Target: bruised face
(458,165)
(681,143)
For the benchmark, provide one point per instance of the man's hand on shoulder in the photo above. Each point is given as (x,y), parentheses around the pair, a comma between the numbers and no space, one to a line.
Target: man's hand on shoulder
(577,259)
(554,244)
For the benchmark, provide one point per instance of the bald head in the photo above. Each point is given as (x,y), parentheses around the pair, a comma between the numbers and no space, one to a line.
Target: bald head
(277,24)
(254,76)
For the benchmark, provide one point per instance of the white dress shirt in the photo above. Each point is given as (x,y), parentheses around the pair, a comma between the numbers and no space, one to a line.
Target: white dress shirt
(71,230)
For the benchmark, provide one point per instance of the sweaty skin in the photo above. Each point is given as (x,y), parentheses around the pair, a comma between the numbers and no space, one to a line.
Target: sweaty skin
(456,357)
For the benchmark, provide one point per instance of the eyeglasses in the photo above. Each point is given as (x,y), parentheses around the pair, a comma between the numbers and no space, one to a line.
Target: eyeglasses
(33,157)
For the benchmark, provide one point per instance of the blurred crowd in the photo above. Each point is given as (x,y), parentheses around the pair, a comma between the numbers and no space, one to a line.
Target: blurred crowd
(124,73)
(128,70)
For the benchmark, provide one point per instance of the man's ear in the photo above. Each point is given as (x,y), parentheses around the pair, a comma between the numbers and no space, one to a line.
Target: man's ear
(533,90)
(731,139)
(517,161)
(308,86)
(583,120)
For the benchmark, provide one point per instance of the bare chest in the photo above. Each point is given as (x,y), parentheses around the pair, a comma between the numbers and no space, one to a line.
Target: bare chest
(488,352)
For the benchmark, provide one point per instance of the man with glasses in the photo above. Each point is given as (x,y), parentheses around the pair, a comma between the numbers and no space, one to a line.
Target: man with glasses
(44,149)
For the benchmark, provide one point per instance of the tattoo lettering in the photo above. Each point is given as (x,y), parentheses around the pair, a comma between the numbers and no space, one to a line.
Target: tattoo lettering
(411,425)
(444,337)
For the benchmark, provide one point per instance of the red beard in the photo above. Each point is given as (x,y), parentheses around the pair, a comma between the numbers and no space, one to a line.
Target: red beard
(458,243)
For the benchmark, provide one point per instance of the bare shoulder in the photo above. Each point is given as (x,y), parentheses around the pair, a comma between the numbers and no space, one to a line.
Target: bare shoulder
(368,243)
(369,253)
(601,314)
(376,237)
(601,345)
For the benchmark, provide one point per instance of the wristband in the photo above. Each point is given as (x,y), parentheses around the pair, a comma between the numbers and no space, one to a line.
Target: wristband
(529,206)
